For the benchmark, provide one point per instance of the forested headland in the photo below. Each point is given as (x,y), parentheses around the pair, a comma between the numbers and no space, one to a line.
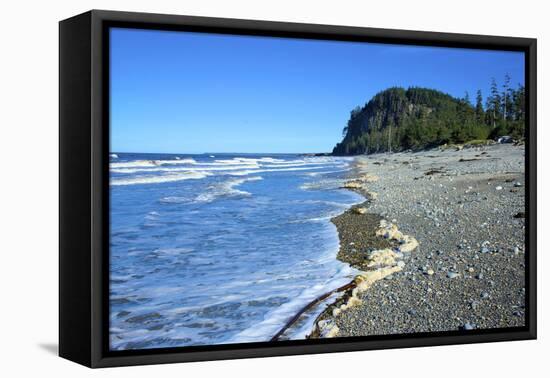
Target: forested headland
(398,119)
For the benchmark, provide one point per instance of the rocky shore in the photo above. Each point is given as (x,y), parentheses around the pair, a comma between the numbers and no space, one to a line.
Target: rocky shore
(440,240)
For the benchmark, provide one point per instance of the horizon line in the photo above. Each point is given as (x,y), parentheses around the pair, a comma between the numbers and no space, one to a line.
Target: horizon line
(219,153)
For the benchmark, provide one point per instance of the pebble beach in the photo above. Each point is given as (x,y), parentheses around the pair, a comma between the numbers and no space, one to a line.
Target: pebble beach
(440,239)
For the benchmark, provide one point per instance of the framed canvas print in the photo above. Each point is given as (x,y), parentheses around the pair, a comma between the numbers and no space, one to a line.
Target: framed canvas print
(234,188)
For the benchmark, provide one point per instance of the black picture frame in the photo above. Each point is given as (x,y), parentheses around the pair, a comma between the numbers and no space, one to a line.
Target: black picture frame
(84,190)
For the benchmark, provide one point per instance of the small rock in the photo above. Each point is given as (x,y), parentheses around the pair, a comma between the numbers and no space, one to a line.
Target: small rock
(484,250)
(517,184)
(430,272)
(452,274)
(479,276)
(485,295)
(470,269)
(411,312)
(498,187)
(352,185)
(468,327)
(360,210)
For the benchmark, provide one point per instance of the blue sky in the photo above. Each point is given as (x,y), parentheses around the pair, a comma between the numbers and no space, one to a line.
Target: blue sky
(183,92)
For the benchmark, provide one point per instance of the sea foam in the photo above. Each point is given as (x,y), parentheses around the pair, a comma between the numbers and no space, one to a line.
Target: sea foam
(225,261)
(158,179)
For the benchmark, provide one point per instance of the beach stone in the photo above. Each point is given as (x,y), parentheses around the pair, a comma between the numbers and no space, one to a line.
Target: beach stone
(498,187)
(360,210)
(485,295)
(517,184)
(352,185)
(452,274)
(430,272)
(479,276)
(468,327)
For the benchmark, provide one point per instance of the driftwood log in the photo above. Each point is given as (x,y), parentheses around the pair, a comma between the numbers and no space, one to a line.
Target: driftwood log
(317,300)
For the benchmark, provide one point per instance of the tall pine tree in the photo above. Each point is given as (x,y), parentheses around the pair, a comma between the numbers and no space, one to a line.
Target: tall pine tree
(506,98)
(493,104)
(480,114)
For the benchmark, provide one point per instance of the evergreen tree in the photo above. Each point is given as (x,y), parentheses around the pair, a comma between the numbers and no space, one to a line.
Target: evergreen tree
(397,119)
(518,103)
(493,104)
(506,97)
(467,98)
(480,114)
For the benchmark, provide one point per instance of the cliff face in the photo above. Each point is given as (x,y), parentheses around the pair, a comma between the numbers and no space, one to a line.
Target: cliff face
(415,118)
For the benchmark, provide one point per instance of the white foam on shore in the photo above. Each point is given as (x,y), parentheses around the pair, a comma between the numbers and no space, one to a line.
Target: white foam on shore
(385,261)
(298,284)
(337,209)
(343,274)
(277,318)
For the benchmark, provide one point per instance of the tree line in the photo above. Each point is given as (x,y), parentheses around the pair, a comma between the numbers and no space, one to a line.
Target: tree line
(416,118)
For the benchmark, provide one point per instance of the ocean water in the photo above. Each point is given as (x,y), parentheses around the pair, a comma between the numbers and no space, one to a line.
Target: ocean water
(212,249)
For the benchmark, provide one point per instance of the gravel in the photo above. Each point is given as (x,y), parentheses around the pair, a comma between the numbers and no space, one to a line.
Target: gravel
(460,206)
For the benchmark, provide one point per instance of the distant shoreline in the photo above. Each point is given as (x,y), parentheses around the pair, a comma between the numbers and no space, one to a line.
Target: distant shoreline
(468,144)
